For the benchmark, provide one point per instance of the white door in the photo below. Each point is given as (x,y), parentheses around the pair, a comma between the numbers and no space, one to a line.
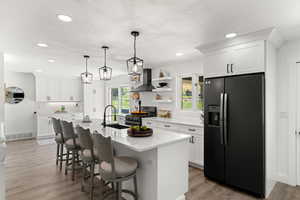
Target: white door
(248,58)
(217,64)
(298,125)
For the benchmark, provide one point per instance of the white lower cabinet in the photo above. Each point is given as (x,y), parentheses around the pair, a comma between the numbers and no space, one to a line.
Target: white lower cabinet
(44,127)
(196,144)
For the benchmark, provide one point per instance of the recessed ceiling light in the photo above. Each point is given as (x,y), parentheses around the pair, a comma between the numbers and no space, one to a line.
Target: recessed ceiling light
(230,35)
(51,61)
(64,18)
(179,54)
(42,45)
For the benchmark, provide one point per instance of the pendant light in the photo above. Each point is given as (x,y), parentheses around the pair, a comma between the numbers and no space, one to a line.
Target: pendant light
(86,77)
(135,64)
(105,72)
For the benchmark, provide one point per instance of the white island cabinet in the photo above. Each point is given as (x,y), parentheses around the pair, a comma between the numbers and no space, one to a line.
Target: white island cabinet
(193,128)
(163,160)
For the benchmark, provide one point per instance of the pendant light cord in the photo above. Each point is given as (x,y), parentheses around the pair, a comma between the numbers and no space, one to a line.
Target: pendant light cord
(86,65)
(134,47)
(105,57)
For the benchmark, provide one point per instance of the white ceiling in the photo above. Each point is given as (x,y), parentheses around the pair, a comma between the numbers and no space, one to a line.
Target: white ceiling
(166,26)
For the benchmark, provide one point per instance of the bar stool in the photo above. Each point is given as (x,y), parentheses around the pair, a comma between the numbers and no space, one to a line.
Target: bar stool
(72,146)
(88,157)
(59,139)
(115,169)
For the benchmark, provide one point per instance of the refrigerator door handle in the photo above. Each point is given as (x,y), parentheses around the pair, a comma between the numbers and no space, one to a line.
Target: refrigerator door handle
(225,119)
(221,118)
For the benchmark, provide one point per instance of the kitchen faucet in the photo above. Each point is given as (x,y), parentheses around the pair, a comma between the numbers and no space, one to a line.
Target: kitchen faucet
(104,117)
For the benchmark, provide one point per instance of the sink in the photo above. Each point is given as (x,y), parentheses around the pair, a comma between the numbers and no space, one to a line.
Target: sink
(117,126)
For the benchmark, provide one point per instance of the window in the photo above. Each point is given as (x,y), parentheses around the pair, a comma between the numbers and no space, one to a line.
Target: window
(125,105)
(191,92)
(119,97)
(187,93)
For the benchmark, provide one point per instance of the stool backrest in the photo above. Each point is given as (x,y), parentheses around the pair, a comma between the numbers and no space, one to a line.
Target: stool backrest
(67,130)
(56,126)
(85,138)
(104,148)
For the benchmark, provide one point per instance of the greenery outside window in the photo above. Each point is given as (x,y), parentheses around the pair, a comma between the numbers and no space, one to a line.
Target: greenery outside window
(191,92)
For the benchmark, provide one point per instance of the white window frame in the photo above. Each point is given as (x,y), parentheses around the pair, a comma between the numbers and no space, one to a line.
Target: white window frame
(119,96)
(195,77)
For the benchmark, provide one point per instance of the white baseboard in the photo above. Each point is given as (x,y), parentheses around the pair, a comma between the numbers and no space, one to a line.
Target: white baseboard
(18,136)
(45,137)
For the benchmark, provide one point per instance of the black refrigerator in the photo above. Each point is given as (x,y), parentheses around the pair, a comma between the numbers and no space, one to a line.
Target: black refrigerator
(234,131)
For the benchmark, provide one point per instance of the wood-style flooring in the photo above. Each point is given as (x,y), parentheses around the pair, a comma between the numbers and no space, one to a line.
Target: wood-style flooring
(31,174)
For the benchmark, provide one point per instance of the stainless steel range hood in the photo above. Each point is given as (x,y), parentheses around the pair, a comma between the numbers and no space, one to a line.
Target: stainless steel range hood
(147,82)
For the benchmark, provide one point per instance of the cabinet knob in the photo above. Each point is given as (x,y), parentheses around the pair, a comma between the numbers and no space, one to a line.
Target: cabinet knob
(167,126)
(192,129)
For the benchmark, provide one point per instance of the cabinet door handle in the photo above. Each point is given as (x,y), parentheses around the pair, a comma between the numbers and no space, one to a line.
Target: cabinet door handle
(227,68)
(231,68)
(192,129)
(193,140)
(167,126)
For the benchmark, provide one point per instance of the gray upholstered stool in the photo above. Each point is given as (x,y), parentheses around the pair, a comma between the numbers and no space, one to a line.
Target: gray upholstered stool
(59,139)
(72,146)
(115,169)
(88,157)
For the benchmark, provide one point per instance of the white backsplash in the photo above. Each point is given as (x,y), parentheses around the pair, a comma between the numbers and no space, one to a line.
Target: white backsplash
(47,108)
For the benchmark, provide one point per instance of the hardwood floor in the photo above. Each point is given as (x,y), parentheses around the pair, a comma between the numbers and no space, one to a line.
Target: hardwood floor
(31,174)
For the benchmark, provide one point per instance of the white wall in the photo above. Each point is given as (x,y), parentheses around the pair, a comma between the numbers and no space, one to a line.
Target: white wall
(19,118)
(2,100)
(288,55)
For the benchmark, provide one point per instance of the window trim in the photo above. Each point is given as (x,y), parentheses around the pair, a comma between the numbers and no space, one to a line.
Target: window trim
(119,96)
(194,108)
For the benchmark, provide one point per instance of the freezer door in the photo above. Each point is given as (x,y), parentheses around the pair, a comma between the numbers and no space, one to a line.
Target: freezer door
(213,132)
(245,143)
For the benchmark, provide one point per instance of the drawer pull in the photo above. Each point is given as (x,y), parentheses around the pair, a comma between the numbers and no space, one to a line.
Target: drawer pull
(192,129)
(149,123)
(167,126)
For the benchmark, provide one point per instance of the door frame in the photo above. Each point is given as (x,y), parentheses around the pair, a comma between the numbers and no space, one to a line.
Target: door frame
(293,116)
(297,130)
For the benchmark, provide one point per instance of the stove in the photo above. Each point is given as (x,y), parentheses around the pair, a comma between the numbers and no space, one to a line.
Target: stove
(135,120)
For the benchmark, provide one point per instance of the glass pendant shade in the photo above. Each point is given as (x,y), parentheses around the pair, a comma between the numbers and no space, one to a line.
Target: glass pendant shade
(86,77)
(135,64)
(105,72)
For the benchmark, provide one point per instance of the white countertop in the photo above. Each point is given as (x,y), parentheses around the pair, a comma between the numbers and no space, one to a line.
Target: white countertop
(159,138)
(188,122)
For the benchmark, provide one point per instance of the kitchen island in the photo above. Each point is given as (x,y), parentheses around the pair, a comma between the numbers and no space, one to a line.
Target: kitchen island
(163,160)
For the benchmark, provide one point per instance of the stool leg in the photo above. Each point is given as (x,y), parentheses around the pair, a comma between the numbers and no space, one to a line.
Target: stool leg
(92,179)
(67,162)
(73,165)
(61,156)
(83,176)
(57,153)
(119,190)
(135,187)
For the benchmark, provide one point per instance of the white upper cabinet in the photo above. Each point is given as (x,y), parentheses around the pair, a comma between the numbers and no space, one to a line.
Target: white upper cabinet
(240,59)
(248,58)
(58,89)
(217,63)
